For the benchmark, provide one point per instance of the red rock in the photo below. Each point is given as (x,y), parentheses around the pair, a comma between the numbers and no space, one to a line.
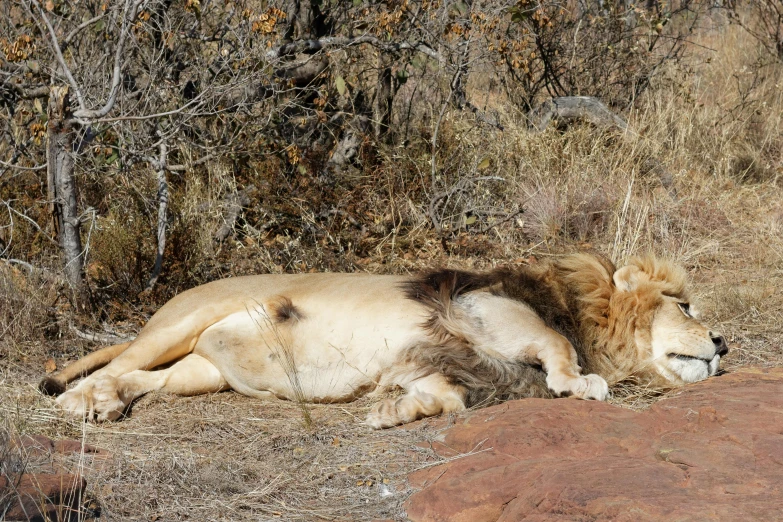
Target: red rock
(44,497)
(712,452)
(49,491)
(35,445)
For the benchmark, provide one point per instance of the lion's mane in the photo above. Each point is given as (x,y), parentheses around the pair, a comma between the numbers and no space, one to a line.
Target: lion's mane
(575,295)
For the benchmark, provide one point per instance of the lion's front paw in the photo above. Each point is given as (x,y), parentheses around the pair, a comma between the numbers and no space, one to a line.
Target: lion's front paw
(590,386)
(595,388)
(94,399)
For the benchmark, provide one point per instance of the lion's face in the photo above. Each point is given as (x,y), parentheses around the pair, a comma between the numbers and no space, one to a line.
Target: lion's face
(670,338)
(684,349)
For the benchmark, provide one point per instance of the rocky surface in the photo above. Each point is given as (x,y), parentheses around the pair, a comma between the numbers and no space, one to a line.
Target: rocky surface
(44,497)
(714,451)
(38,485)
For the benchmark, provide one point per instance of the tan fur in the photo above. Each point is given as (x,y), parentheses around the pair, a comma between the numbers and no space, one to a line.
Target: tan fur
(55,385)
(451,339)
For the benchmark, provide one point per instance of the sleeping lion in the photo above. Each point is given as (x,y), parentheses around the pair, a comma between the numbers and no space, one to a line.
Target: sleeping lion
(451,339)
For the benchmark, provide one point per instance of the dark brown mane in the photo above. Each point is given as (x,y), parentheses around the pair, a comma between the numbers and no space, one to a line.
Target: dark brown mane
(451,353)
(571,294)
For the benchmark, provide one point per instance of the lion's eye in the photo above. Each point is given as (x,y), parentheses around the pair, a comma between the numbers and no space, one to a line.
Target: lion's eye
(686,308)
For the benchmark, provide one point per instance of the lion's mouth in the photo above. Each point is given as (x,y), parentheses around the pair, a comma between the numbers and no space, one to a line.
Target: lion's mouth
(684,357)
(713,364)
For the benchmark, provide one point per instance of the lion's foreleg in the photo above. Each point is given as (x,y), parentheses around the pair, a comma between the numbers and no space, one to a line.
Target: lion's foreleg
(427,396)
(564,377)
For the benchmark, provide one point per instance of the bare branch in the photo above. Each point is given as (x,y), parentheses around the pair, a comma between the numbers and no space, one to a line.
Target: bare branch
(453,87)
(84,25)
(31,221)
(19,167)
(24,264)
(130,16)
(313,46)
(141,118)
(41,91)
(183,168)
(58,52)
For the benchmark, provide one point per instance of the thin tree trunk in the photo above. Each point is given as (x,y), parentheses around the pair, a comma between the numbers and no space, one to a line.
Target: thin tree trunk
(384,98)
(63,192)
(163,204)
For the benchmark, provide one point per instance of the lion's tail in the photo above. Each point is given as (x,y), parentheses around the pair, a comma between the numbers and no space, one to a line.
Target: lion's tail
(438,290)
(55,384)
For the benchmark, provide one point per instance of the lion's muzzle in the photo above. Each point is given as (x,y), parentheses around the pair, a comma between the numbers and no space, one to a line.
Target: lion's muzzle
(721,348)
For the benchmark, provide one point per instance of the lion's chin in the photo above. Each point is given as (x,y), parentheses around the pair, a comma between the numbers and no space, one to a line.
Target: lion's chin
(714,366)
(696,370)
(688,371)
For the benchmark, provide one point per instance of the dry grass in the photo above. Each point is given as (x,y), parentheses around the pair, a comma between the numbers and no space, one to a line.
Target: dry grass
(715,125)
(228,457)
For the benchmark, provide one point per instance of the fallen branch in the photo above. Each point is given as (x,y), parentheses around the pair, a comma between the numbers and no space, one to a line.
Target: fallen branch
(567,110)
(27,266)
(183,168)
(506,219)
(570,109)
(103,338)
(48,275)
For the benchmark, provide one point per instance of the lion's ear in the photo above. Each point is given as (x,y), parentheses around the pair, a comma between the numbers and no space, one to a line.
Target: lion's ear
(628,278)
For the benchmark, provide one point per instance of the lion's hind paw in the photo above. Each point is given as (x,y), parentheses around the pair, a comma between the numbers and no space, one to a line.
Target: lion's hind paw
(94,399)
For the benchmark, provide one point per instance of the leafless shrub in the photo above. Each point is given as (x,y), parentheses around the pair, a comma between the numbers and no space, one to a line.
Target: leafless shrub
(763,20)
(24,306)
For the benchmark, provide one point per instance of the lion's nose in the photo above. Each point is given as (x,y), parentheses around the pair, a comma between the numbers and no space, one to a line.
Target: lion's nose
(721,348)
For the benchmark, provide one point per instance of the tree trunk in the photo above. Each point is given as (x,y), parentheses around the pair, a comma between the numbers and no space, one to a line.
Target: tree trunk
(62,190)
(163,205)
(384,98)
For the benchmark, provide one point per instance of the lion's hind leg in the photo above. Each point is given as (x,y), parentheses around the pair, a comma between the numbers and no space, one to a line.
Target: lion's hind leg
(107,396)
(425,397)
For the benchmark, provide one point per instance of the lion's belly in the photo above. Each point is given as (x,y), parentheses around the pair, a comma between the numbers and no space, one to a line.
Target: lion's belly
(329,355)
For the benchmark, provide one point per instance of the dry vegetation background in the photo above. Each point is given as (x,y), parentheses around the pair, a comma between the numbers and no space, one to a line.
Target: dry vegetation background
(455,176)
